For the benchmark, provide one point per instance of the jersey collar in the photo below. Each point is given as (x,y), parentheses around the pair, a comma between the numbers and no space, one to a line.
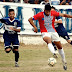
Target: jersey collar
(12,20)
(46,15)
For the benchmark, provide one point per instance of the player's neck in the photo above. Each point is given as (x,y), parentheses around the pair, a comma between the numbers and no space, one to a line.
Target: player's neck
(11,19)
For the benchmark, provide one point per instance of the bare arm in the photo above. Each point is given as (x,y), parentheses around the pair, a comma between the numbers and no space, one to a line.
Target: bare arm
(15,29)
(65,15)
(32,23)
(62,2)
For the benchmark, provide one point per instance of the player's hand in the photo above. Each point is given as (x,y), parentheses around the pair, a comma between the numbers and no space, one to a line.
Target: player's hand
(11,28)
(35,29)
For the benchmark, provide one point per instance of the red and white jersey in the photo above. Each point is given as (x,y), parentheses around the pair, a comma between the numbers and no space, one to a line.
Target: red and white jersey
(46,22)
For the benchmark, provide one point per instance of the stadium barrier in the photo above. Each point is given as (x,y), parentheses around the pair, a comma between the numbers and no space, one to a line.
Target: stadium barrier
(25,11)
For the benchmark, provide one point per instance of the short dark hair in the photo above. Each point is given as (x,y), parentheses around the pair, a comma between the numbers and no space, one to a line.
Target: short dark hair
(11,10)
(53,7)
(47,6)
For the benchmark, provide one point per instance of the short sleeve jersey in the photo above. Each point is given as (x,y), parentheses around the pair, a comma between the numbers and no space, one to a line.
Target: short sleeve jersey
(46,22)
(56,19)
(15,23)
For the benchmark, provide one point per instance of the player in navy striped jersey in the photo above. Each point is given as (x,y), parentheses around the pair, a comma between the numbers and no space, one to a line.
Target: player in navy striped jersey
(12,26)
(61,30)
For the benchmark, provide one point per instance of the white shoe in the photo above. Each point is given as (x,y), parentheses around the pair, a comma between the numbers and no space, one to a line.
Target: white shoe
(16,64)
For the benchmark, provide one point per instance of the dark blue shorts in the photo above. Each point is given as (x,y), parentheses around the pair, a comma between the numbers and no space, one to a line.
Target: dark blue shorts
(62,32)
(10,39)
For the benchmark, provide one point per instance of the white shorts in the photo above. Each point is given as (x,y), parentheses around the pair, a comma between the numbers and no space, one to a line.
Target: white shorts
(53,35)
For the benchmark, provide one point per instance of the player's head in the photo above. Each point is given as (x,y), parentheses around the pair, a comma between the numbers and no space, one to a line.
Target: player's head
(11,13)
(47,9)
(53,8)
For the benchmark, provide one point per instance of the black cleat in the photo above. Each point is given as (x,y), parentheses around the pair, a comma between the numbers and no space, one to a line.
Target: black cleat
(64,65)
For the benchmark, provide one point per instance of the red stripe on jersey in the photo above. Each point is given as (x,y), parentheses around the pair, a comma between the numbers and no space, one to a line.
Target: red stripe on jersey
(39,17)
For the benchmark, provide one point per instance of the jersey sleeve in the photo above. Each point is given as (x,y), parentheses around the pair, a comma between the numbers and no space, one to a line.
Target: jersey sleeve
(18,25)
(2,20)
(56,14)
(36,17)
(58,18)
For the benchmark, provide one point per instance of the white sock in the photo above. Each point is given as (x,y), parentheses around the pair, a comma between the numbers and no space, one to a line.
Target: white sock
(61,52)
(51,48)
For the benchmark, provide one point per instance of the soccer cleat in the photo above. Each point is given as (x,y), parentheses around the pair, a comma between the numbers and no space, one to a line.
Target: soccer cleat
(55,55)
(16,64)
(64,65)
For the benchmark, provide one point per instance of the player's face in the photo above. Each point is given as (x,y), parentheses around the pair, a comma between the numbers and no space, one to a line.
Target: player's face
(11,14)
(47,12)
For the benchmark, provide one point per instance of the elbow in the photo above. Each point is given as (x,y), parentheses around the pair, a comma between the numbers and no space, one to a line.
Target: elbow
(19,30)
(65,15)
(30,19)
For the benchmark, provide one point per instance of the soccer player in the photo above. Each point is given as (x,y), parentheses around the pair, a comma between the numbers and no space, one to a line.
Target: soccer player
(46,21)
(60,29)
(12,26)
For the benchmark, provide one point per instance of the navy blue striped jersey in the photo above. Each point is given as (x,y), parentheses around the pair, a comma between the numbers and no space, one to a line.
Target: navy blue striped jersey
(15,23)
(59,27)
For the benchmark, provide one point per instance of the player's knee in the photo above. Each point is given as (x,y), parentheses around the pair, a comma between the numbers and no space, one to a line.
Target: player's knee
(7,49)
(15,49)
(59,47)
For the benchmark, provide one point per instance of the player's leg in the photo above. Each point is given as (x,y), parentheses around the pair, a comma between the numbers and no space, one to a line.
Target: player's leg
(55,48)
(7,44)
(47,39)
(69,41)
(61,52)
(66,37)
(16,52)
(15,49)
(8,49)
(63,33)
(57,42)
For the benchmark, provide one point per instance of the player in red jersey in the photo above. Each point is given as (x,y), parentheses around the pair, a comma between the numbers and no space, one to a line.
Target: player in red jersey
(46,21)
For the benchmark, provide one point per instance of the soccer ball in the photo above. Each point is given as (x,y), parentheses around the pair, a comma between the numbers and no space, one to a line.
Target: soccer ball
(52,61)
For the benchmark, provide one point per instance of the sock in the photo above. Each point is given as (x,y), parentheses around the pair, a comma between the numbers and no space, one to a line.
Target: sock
(71,43)
(61,52)
(51,48)
(54,46)
(16,56)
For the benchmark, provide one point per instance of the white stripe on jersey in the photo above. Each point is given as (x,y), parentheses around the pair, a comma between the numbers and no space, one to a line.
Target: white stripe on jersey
(8,26)
(18,27)
(48,23)
(12,20)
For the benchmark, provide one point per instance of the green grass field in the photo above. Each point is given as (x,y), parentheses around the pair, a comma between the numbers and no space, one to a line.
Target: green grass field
(33,58)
